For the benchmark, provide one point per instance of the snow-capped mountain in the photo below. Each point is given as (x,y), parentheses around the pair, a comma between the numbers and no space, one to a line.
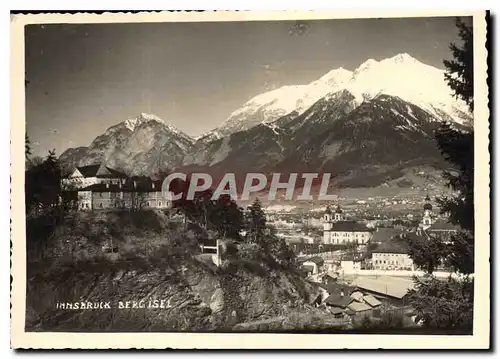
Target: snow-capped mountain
(140,145)
(364,127)
(401,76)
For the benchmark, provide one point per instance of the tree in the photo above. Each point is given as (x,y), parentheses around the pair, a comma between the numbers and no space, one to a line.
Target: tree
(443,303)
(426,253)
(457,148)
(460,71)
(33,162)
(226,217)
(43,184)
(137,200)
(255,221)
(449,303)
(27,146)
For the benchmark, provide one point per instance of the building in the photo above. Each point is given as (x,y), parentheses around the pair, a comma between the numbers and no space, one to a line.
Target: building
(97,187)
(313,265)
(432,225)
(443,227)
(393,290)
(337,230)
(428,217)
(393,255)
(383,235)
(132,194)
(350,266)
(85,176)
(391,260)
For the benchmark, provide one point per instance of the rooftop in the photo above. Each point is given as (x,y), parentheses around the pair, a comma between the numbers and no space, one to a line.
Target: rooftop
(349,226)
(371,300)
(444,226)
(396,287)
(145,185)
(359,307)
(337,288)
(100,171)
(385,234)
(393,245)
(338,301)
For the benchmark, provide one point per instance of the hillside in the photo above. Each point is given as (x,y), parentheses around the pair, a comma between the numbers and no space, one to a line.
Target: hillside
(142,256)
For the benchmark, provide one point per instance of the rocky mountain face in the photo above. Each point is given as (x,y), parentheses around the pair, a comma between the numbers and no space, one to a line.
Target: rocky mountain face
(141,145)
(364,126)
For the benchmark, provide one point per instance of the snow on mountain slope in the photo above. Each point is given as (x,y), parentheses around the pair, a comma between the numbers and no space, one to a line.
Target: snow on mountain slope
(401,75)
(411,80)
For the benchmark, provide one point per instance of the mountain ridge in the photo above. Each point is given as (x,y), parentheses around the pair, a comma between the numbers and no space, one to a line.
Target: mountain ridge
(373,122)
(138,145)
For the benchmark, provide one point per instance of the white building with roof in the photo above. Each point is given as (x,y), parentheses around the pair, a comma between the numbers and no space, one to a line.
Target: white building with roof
(338,230)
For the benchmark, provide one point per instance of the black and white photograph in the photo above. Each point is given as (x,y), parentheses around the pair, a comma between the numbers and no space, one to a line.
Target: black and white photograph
(303,175)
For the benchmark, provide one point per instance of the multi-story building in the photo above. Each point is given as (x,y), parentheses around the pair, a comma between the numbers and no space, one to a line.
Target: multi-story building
(391,260)
(100,187)
(337,230)
(132,194)
(85,176)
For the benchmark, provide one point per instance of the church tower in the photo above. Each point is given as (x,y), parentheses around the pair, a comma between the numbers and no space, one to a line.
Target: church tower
(327,219)
(339,215)
(427,218)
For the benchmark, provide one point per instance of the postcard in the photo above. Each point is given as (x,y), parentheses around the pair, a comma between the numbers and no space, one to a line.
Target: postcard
(250,180)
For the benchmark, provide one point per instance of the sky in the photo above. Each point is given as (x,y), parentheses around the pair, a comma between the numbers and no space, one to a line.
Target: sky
(83,78)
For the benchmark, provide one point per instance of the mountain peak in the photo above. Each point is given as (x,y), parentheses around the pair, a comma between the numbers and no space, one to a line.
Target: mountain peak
(335,76)
(403,57)
(133,122)
(149,117)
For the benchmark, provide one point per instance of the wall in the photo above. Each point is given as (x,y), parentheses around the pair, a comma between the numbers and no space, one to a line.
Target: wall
(82,182)
(336,237)
(391,261)
(122,200)
(395,273)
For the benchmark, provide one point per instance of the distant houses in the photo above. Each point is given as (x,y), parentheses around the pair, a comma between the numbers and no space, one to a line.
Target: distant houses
(97,187)
(359,299)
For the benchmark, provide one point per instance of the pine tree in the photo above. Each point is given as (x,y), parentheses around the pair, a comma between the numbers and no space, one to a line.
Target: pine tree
(43,183)
(441,304)
(460,70)
(51,179)
(256,221)
(27,146)
(457,148)
(226,217)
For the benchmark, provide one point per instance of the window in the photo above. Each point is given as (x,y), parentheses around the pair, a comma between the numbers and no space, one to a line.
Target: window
(100,194)
(100,205)
(159,204)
